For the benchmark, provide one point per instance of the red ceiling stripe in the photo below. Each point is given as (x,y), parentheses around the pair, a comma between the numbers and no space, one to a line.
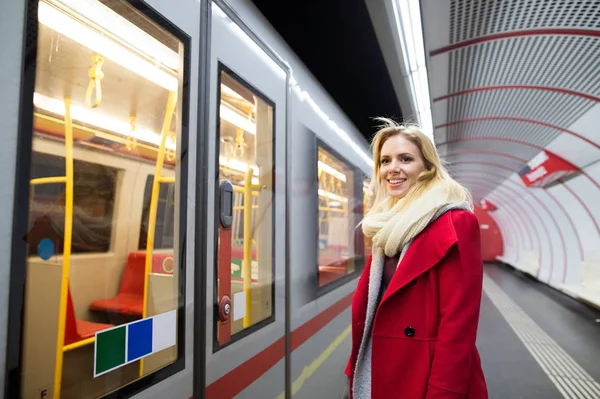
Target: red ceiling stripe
(579,243)
(520,206)
(519,87)
(562,239)
(524,120)
(518,33)
(524,143)
(483,152)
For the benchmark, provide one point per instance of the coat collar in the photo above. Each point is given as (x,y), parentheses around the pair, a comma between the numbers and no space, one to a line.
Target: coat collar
(426,250)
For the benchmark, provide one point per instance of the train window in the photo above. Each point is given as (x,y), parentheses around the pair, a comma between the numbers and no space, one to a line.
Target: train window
(94,187)
(245,266)
(339,213)
(102,303)
(165,216)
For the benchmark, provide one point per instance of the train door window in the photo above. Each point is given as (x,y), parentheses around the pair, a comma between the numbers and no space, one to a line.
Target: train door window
(340,210)
(94,188)
(164,231)
(103,302)
(245,262)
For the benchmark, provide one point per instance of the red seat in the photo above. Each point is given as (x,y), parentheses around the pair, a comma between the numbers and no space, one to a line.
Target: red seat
(77,330)
(129,300)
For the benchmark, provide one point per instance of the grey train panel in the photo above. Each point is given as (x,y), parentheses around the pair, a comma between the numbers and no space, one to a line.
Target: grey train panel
(12,18)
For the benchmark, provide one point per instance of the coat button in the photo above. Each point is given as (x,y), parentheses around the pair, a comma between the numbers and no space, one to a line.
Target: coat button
(409,332)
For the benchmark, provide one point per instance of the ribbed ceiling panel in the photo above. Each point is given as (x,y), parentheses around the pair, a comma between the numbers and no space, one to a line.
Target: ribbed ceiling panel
(506,129)
(531,104)
(554,61)
(520,74)
(470,19)
(483,158)
(505,147)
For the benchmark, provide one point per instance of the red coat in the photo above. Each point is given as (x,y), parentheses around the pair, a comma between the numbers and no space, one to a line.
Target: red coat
(424,330)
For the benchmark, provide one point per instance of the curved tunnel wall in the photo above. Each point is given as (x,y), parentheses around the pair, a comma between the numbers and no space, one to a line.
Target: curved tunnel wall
(559,224)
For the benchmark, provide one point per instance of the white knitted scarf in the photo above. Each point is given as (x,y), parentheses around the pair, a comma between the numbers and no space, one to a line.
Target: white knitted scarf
(391,227)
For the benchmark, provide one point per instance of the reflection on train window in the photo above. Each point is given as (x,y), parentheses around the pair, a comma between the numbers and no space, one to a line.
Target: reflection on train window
(102,277)
(367,202)
(94,187)
(337,218)
(165,216)
(246,160)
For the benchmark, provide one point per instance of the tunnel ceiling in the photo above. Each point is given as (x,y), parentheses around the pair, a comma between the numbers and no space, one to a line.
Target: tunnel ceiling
(337,42)
(509,79)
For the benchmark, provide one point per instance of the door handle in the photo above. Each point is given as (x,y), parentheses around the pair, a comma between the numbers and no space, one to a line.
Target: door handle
(225,203)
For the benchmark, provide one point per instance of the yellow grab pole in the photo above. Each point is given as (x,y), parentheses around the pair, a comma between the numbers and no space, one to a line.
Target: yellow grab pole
(47,180)
(171,102)
(247,262)
(68,231)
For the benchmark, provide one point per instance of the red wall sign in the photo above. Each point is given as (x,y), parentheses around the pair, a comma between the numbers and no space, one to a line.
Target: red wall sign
(544,169)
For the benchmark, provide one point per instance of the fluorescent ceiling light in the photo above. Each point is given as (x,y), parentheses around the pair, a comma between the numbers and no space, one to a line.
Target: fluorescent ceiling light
(230,92)
(104,17)
(333,196)
(330,170)
(237,119)
(407,15)
(86,36)
(98,120)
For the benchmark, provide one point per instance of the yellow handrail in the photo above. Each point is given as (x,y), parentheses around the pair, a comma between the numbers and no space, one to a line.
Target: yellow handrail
(48,180)
(68,232)
(247,262)
(171,102)
(79,344)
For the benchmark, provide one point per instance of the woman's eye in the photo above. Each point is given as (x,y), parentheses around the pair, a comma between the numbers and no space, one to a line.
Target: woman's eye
(384,161)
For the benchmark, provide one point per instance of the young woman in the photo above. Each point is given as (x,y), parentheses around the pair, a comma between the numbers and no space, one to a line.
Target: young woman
(415,311)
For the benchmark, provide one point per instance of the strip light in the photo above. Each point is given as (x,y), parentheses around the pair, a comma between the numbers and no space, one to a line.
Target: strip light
(82,34)
(330,170)
(103,16)
(98,120)
(407,15)
(231,116)
(332,196)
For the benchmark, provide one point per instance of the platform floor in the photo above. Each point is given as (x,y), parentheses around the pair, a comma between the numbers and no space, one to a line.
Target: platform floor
(536,342)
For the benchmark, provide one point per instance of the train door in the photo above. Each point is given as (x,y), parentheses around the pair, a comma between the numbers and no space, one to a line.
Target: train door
(245,349)
(100,299)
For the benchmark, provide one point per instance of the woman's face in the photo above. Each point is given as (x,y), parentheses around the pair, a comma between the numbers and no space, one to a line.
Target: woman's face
(401,164)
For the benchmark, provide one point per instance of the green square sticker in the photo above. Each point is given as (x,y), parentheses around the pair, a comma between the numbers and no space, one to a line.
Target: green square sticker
(110,349)
(236,268)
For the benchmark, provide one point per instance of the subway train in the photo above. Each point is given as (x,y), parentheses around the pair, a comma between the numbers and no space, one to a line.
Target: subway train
(181,201)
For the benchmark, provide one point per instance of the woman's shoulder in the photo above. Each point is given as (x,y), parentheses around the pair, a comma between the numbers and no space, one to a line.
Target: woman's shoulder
(456,222)
(463,222)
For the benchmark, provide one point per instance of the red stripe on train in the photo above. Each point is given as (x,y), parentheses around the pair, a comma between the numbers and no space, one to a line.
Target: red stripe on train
(246,373)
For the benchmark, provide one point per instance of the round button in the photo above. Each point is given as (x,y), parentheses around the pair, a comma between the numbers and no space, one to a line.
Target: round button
(409,332)
(224,309)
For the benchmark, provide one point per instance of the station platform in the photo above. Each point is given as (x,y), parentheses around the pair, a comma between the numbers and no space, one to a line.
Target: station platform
(534,342)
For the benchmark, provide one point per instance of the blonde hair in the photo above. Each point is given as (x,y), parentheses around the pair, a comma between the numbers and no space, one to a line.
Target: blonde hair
(434,169)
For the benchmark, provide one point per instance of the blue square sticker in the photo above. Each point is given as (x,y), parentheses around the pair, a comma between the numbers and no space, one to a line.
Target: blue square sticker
(139,339)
